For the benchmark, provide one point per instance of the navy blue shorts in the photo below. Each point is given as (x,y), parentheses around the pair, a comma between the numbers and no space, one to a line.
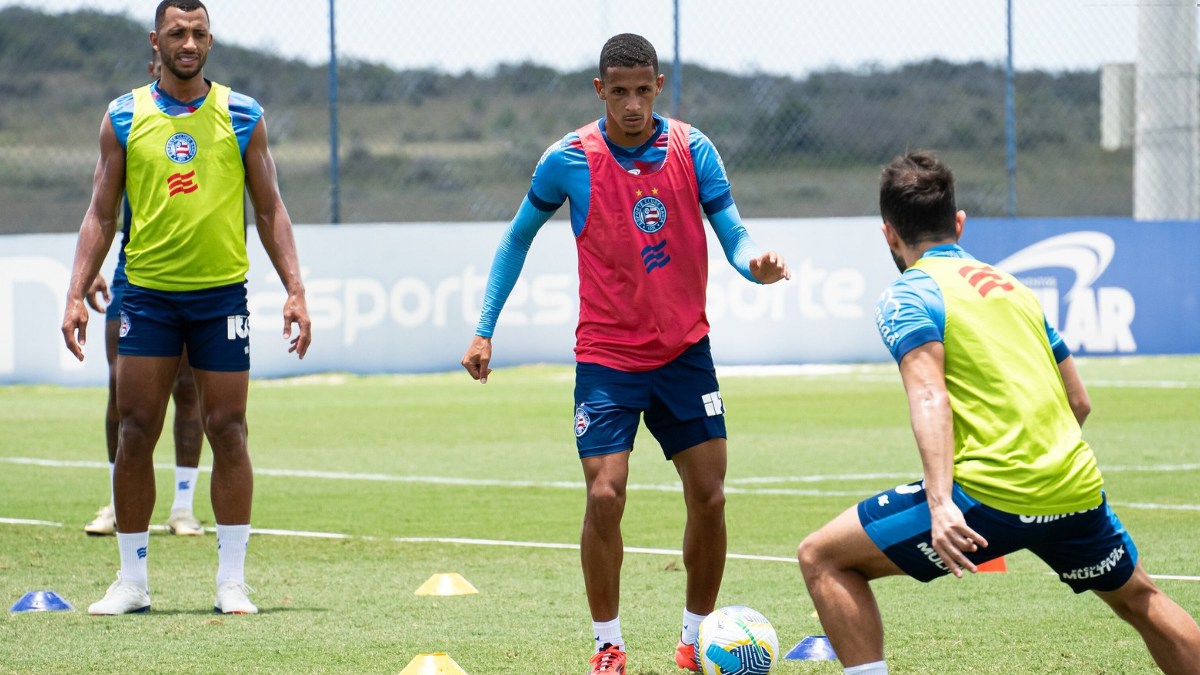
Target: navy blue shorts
(116,294)
(213,323)
(681,401)
(1090,550)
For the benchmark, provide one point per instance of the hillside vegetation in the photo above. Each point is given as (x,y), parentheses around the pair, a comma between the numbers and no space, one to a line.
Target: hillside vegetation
(428,145)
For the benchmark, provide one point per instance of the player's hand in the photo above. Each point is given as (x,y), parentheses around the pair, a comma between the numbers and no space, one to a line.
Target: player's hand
(295,311)
(952,539)
(98,288)
(477,358)
(769,268)
(74,326)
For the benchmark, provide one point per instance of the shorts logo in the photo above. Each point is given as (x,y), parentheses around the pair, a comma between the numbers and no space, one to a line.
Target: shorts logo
(653,257)
(649,214)
(182,183)
(124,324)
(884,500)
(582,421)
(1104,567)
(910,489)
(237,327)
(181,148)
(713,405)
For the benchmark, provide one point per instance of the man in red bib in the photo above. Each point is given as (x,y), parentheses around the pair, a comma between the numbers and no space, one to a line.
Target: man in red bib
(636,183)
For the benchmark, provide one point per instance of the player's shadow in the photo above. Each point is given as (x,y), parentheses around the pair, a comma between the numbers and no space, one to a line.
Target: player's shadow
(261,611)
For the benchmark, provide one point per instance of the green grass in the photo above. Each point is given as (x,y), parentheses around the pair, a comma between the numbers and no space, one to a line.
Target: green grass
(347,605)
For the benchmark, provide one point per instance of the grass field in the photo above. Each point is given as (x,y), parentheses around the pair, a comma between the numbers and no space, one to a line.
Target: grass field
(439,456)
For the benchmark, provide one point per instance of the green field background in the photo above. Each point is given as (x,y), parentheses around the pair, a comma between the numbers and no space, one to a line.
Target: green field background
(348,605)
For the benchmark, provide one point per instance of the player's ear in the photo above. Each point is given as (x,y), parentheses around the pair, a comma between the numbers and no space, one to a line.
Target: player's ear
(661,79)
(599,84)
(960,219)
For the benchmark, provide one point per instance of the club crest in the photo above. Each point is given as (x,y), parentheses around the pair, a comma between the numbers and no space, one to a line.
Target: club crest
(582,421)
(649,214)
(124,324)
(181,148)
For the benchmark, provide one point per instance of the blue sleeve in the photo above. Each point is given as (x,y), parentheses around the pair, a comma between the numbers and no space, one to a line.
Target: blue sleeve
(910,313)
(562,174)
(1061,350)
(120,112)
(506,266)
(739,248)
(715,195)
(244,113)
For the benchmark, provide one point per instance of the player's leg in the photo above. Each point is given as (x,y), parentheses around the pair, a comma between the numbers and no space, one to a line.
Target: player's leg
(189,438)
(687,418)
(105,521)
(838,562)
(1170,633)
(218,349)
(607,410)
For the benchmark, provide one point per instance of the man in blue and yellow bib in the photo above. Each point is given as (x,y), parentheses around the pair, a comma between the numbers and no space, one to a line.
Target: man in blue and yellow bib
(184,150)
(996,406)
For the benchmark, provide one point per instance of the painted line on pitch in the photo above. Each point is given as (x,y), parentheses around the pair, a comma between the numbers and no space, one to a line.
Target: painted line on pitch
(499,542)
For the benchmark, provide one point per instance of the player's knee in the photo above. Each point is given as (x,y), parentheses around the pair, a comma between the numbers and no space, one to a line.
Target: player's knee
(811,555)
(184,393)
(709,504)
(225,428)
(138,429)
(605,501)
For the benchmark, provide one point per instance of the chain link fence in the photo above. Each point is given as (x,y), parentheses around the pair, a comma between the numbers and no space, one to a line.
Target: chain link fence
(444,108)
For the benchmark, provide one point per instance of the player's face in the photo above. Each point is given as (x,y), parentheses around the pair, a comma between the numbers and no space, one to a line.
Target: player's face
(628,95)
(183,42)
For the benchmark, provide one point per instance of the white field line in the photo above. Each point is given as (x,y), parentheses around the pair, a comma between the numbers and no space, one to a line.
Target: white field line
(876,373)
(499,542)
(731,489)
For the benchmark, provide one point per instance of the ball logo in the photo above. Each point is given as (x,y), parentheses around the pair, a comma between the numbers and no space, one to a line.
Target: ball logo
(582,421)
(181,148)
(124,324)
(649,214)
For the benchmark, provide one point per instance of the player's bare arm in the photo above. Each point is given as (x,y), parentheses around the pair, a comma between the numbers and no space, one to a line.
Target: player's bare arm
(98,289)
(1077,396)
(96,235)
(769,268)
(477,358)
(275,231)
(924,375)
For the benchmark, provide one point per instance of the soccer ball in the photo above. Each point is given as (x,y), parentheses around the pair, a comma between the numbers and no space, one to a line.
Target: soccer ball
(737,640)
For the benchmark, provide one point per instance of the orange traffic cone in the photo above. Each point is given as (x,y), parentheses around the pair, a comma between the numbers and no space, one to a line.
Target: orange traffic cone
(994,565)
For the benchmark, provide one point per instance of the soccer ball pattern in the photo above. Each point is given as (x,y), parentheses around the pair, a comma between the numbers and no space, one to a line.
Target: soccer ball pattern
(737,640)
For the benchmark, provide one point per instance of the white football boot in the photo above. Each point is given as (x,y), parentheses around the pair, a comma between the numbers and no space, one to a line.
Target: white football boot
(105,522)
(233,597)
(182,522)
(123,597)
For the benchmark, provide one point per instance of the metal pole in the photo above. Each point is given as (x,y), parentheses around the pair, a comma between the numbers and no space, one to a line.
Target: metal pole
(676,70)
(335,207)
(1010,119)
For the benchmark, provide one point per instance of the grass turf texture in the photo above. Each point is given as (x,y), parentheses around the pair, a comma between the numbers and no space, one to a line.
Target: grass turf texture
(347,606)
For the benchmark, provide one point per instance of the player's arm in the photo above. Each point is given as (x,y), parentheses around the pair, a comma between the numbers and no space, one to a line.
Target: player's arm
(96,235)
(741,251)
(924,375)
(1077,396)
(506,268)
(275,231)
(717,201)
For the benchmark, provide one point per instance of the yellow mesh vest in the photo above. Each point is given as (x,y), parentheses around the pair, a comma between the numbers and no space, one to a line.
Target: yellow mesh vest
(1017,445)
(185,181)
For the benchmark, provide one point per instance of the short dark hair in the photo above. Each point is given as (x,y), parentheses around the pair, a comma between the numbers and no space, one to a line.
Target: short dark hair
(627,51)
(184,5)
(916,195)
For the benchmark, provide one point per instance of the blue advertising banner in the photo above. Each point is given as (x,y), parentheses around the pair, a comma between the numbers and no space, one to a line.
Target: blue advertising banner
(1109,285)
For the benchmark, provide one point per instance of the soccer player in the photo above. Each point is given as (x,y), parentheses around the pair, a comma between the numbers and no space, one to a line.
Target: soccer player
(996,406)
(189,434)
(185,175)
(637,182)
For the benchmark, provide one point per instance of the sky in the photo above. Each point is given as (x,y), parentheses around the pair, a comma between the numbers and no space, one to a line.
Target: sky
(788,37)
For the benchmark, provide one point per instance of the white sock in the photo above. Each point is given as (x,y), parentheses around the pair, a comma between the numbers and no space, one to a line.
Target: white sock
(133,549)
(608,633)
(112,469)
(231,553)
(877,668)
(185,486)
(691,627)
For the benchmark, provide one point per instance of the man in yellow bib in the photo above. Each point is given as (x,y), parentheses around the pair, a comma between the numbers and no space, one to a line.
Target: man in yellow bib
(184,150)
(996,406)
